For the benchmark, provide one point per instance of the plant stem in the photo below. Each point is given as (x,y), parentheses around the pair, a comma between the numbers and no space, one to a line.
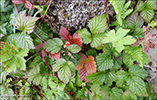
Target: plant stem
(107,15)
(38,36)
(44,33)
(44,14)
(16,8)
(54,73)
(35,89)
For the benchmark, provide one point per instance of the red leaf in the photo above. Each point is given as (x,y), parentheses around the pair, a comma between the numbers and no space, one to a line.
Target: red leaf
(82,74)
(64,34)
(29,5)
(86,66)
(18,1)
(77,40)
(146,43)
(43,53)
(55,56)
(40,45)
(81,61)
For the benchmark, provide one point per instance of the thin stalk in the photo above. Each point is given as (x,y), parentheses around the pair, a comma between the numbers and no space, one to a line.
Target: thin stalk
(38,36)
(16,8)
(44,32)
(107,15)
(35,89)
(45,13)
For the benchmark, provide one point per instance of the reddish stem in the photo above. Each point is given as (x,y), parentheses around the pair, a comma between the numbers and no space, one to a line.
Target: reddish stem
(38,36)
(107,15)
(35,89)
(44,14)
(44,32)
(16,8)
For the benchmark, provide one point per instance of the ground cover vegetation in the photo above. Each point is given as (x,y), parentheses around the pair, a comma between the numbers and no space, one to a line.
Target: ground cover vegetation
(104,61)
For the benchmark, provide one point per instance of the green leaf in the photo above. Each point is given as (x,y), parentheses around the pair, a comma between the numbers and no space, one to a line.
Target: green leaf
(24,41)
(137,71)
(121,77)
(85,35)
(3,75)
(25,24)
(53,45)
(128,60)
(91,52)
(95,88)
(152,24)
(64,74)
(98,77)
(43,81)
(147,14)
(116,93)
(66,70)
(59,64)
(151,4)
(103,62)
(140,6)
(109,50)
(97,39)
(98,24)
(137,86)
(153,96)
(74,48)
(128,95)
(6,92)
(34,75)
(136,53)
(116,65)
(118,40)
(110,77)
(20,62)
(148,89)
(81,93)
(138,32)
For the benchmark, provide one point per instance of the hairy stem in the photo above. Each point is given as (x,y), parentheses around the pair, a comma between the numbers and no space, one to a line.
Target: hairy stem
(35,88)
(107,15)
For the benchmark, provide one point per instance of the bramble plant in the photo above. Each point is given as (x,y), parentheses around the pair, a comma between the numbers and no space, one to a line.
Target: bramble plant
(95,63)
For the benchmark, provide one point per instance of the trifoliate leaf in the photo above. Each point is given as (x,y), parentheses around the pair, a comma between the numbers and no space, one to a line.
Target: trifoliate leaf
(74,48)
(146,43)
(110,77)
(85,35)
(25,24)
(104,62)
(137,71)
(137,86)
(121,77)
(24,41)
(53,45)
(98,77)
(147,14)
(128,95)
(116,93)
(118,40)
(98,24)
(34,75)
